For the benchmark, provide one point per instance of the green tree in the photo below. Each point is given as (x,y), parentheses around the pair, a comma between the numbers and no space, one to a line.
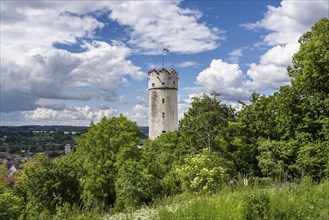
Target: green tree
(134,185)
(101,151)
(161,155)
(310,80)
(3,174)
(276,158)
(204,121)
(46,184)
(313,160)
(10,205)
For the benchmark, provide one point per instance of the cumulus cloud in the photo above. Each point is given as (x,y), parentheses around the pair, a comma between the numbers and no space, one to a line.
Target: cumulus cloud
(224,78)
(73,113)
(139,114)
(285,24)
(33,72)
(271,72)
(290,20)
(27,25)
(149,29)
(59,74)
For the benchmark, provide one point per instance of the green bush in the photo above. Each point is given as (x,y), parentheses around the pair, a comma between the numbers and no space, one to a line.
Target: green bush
(202,172)
(10,205)
(257,206)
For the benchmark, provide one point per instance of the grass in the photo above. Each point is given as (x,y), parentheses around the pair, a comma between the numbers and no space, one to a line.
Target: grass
(305,201)
(282,202)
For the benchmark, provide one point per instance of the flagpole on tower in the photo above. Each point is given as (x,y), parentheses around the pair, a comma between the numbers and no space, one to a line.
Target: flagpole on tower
(164,50)
(163,53)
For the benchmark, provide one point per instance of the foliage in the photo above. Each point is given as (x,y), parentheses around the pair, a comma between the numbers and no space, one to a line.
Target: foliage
(313,160)
(10,205)
(160,157)
(134,185)
(46,184)
(257,206)
(202,172)
(310,80)
(275,157)
(102,150)
(204,121)
(3,173)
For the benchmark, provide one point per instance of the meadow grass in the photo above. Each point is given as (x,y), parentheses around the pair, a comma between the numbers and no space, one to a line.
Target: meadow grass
(289,201)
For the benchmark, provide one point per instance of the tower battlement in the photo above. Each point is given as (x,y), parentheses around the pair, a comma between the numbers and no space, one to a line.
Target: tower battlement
(163,116)
(163,79)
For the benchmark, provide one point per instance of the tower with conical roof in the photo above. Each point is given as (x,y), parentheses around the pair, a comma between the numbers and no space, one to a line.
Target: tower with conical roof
(163,116)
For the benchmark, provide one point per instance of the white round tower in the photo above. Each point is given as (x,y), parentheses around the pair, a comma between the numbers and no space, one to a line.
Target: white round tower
(163,116)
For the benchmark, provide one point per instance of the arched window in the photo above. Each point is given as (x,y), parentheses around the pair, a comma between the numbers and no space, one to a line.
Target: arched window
(163,115)
(162,100)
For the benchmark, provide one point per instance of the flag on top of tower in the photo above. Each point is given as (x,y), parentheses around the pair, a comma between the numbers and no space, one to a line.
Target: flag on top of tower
(165,50)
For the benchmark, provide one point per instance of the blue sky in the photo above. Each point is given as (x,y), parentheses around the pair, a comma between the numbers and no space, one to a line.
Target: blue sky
(74,62)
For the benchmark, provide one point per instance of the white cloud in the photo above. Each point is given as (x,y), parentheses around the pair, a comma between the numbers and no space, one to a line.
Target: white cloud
(84,114)
(235,55)
(31,68)
(28,25)
(59,74)
(185,103)
(224,78)
(271,72)
(290,20)
(186,64)
(266,78)
(155,24)
(123,99)
(279,55)
(286,24)
(139,114)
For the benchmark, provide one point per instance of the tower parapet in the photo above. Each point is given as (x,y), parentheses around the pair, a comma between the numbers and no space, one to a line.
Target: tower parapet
(163,79)
(163,116)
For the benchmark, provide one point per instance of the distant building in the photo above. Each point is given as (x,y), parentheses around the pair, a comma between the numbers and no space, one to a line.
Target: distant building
(67,149)
(163,116)
(12,170)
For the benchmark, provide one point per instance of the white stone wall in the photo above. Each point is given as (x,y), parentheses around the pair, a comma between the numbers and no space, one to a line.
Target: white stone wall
(163,116)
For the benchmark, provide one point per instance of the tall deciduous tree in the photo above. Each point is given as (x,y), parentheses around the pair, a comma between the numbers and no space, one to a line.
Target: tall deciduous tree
(161,155)
(101,151)
(310,80)
(204,121)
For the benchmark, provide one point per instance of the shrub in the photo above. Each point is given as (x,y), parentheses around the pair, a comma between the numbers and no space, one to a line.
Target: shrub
(201,172)
(257,206)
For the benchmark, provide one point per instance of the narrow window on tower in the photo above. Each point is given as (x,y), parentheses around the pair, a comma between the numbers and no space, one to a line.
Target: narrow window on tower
(174,82)
(162,114)
(162,100)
